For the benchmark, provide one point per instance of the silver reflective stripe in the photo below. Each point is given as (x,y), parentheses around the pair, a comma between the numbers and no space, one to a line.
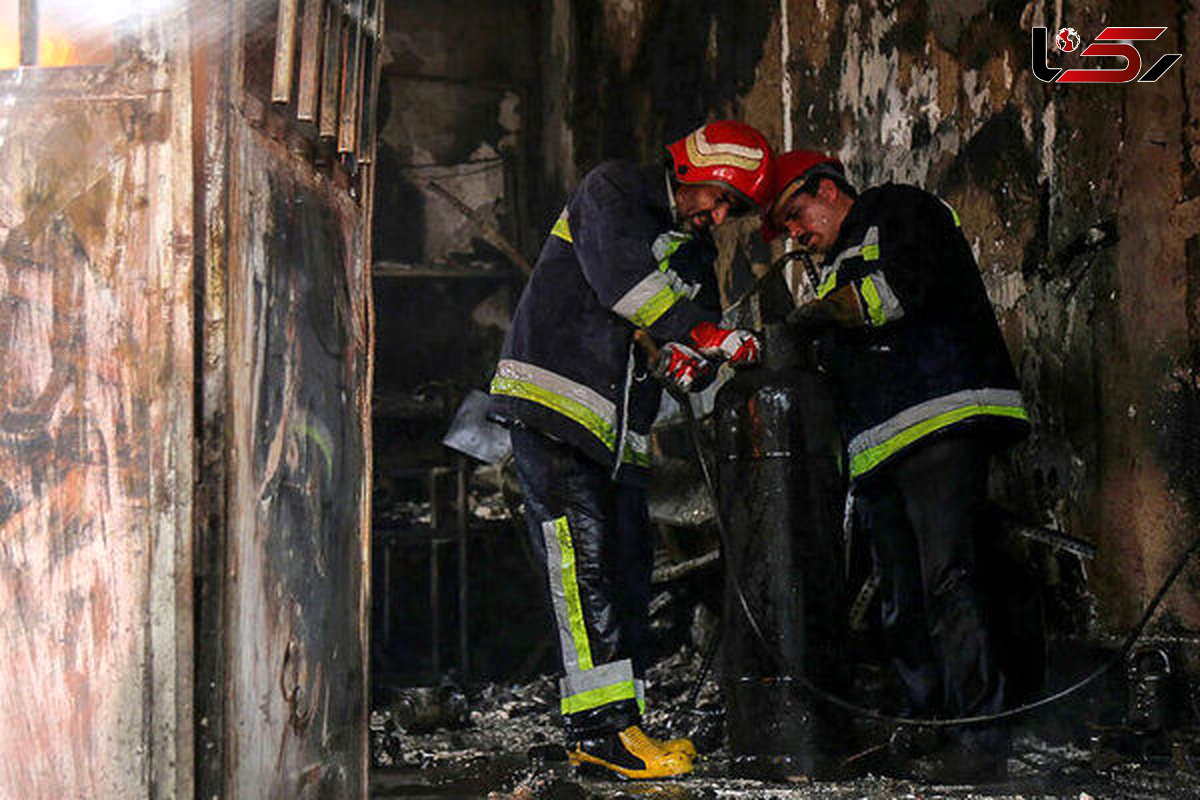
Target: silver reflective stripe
(953,213)
(619,452)
(829,273)
(639,688)
(881,302)
(667,243)
(603,675)
(559,385)
(637,445)
(914,415)
(871,237)
(649,298)
(663,248)
(558,597)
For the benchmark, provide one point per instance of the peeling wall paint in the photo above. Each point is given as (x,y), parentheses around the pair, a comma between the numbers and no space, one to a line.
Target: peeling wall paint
(95,431)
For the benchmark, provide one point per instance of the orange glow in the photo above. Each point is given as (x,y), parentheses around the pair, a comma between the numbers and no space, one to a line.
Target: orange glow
(66,36)
(10,41)
(10,53)
(75,32)
(56,51)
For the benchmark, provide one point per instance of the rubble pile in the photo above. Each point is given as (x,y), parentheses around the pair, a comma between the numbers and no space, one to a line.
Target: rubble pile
(464,726)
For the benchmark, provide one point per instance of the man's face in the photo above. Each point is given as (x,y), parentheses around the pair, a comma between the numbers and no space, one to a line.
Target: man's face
(814,220)
(700,206)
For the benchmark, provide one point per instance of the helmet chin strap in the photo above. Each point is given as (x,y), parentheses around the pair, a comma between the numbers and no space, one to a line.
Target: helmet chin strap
(672,189)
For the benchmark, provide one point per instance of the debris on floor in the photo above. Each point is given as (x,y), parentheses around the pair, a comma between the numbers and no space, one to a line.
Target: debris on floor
(505,743)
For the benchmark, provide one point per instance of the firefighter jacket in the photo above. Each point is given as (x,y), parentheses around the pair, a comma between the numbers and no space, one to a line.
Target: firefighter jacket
(930,358)
(612,264)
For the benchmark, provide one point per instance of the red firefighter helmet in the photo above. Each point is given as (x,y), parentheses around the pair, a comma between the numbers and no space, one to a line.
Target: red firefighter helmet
(792,171)
(730,154)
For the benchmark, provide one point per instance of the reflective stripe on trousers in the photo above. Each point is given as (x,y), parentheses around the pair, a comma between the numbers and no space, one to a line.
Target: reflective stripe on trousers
(585,685)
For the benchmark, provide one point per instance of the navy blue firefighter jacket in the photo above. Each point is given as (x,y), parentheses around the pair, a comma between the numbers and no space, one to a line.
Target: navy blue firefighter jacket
(931,358)
(612,264)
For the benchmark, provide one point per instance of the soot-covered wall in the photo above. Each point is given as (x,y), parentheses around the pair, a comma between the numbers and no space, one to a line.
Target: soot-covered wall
(1079,200)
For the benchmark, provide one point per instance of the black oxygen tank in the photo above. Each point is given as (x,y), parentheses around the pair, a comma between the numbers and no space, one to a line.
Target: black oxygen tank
(781,492)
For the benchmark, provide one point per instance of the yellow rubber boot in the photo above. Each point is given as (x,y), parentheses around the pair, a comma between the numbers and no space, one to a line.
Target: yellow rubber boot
(681,746)
(631,754)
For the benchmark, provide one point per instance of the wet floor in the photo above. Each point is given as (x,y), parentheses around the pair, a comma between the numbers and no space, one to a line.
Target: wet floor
(1037,771)
(504,743)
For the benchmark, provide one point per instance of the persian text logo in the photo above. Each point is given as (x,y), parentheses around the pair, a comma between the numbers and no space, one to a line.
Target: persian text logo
(1112,41)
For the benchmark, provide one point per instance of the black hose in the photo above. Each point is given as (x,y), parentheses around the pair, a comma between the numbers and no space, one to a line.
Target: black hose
(870,713)
(705,666)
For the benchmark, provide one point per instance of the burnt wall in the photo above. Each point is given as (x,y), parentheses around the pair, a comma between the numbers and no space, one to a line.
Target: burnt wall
(457,97)
(1077,199)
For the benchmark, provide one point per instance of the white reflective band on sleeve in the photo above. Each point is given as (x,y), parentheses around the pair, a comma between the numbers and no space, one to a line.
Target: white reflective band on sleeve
(667,243)
(650,298)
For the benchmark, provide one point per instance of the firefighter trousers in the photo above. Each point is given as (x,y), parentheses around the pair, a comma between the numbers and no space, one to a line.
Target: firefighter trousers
(592,535)
(921,515)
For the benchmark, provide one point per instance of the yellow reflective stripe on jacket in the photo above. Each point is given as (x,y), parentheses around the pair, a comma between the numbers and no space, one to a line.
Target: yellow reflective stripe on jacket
(562,227)
(649,299)
(828,284)
(665,245)
(874,446)
(880,301)
(653,295)
(573,400)
(867,249)
(870,296)
(569,398)
(953,213)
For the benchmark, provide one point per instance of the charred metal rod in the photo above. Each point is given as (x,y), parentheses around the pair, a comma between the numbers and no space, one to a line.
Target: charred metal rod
(761,280)
(492,234)
(676,571)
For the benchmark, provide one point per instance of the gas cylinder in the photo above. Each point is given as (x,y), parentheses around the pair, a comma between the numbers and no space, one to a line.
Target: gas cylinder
(781,492)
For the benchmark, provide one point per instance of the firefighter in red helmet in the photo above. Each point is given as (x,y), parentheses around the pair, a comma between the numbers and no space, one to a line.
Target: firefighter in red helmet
(631,251)
(925,392)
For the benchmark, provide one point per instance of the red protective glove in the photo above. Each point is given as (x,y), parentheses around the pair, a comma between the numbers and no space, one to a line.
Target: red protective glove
(740,347)
(683,369)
